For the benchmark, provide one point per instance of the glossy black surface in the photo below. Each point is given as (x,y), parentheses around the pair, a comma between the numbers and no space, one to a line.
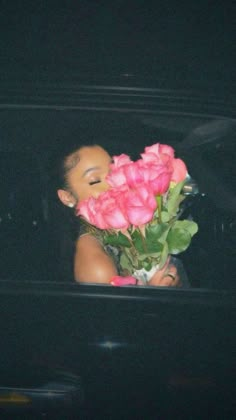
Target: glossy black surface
(159,353)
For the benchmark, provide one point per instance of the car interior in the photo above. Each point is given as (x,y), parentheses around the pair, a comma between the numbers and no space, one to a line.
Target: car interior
(31,223)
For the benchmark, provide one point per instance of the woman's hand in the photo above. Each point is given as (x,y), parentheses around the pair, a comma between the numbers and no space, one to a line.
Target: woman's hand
(167,277)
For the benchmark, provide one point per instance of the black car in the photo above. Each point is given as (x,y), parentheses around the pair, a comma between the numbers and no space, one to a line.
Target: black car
(97,351)
(125,74)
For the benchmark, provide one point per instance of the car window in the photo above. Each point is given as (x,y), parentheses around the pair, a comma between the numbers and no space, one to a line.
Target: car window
(29,244)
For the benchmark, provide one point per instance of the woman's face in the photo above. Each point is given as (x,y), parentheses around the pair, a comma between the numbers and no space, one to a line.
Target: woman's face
(88,177)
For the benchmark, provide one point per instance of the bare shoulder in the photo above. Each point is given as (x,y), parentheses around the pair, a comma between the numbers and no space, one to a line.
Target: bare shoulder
(92,264)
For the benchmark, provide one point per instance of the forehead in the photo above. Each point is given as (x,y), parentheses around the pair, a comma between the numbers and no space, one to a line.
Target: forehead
(86,158)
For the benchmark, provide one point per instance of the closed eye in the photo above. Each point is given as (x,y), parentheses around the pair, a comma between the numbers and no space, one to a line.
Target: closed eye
(94,182)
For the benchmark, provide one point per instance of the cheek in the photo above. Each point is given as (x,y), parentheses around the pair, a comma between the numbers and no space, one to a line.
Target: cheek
(100,188)
(77,191)
(83,192)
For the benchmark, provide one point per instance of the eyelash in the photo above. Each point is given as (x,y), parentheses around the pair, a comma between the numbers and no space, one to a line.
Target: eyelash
(94,182)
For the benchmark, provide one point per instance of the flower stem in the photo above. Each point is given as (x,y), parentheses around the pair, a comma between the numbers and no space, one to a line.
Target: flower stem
(143,240)
(159,202)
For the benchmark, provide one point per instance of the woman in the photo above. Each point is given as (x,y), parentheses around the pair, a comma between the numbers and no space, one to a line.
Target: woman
(83,174)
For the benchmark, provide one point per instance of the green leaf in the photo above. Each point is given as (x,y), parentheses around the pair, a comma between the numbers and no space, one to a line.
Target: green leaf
(117,240)
(125,263)
(138,241)
(178,240)
(175,198)
(164,255)
(188,225)
(147,265)
(165,217)
(156,235)
(154,255)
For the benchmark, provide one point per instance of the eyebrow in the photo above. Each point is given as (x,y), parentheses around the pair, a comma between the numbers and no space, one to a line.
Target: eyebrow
(93,168)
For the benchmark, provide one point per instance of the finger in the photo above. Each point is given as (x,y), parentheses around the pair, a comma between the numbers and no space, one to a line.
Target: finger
(161,272)
(165,266)
(170,278)
(156,278)
(167,282)
(165,277)
(170,271)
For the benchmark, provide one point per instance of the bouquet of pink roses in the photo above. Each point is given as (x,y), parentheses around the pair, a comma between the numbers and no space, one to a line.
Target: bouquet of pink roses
(139,213)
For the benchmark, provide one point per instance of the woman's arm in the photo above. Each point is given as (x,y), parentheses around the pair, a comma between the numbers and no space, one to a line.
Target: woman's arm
(92,264)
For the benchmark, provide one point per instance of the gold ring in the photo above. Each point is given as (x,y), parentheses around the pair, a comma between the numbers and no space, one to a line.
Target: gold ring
(171,275)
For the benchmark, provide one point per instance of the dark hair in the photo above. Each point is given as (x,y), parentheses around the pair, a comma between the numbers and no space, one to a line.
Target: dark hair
(64,224)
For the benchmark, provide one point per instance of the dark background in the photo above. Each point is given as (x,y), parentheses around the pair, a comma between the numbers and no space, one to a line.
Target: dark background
(191,42)
(171,44)
(166,351)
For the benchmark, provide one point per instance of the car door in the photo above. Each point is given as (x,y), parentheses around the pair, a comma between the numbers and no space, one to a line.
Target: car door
(103,351)
(153,353)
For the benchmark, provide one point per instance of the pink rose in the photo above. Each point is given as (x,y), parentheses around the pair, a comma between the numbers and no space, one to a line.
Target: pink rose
(166,150)
(156,151)
(162,153)
(131,200)
(156,175)
(123,281)
(160,183)
(133,174)
(179,171)
(140,205)
(120,160)
(116,178)
(89,210)
(129,175)
(112,209)
(104,211)
(84,209)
